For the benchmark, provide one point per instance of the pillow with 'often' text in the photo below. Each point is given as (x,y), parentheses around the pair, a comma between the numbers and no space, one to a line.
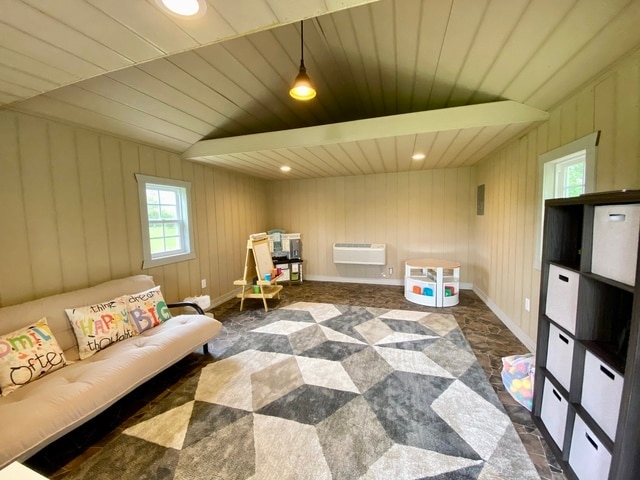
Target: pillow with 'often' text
(28,354)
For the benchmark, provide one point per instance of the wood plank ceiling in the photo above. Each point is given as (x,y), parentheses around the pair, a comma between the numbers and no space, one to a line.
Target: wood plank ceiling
(126,68)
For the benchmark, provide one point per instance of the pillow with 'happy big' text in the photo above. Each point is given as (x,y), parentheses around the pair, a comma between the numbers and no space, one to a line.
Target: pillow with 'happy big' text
(147,309)
(28,354)
(98,326)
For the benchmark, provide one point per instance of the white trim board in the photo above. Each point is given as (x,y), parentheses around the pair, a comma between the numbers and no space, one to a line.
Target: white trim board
(515,329)
(455,118)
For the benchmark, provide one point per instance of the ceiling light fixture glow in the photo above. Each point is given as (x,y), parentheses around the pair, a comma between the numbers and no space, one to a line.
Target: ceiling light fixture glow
(184,8)
(285,168)
(302,88)
(418,156)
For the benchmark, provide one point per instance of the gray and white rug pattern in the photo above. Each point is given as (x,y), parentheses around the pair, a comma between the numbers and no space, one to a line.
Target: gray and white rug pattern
(321,391)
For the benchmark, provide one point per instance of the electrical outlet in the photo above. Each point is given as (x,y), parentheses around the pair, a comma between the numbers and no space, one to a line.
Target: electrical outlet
(203,283)
(390,270)
(527,304)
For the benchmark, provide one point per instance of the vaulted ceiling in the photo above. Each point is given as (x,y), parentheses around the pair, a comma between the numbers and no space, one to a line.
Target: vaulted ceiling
(187,85)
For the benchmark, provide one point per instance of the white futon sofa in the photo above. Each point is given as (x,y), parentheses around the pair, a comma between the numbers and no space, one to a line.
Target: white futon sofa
(42,411)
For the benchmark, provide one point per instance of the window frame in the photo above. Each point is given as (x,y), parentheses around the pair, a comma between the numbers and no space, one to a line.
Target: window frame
(547,163)
(183,189)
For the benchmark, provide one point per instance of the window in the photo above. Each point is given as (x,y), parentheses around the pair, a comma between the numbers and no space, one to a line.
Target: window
(568,171)
(570,175)
(165,216)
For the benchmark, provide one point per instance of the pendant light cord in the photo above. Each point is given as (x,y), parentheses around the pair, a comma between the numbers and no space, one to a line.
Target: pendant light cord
(301,42)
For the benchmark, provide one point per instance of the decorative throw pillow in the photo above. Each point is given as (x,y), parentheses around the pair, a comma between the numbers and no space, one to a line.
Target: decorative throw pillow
(147,309)
(28,354)
(98,326)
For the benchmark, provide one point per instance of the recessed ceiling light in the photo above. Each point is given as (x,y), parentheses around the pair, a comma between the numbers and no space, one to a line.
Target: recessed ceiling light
(184,8)
(285,168)
(418,156)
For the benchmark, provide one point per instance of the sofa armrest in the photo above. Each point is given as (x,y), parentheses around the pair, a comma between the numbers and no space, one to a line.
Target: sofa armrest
(195,306)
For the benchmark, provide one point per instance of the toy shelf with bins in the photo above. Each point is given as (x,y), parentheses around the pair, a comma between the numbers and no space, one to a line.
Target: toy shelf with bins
(432,282)
(587,380)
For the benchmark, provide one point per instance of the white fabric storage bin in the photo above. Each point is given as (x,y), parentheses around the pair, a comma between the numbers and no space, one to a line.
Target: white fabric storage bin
(562,297)
(601,393)
(615,242)
(554,412)
(560,356)
(588,457)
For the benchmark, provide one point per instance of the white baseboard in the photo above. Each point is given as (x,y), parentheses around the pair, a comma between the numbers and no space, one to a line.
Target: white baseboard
(515,329)
(370,281)
(223,298)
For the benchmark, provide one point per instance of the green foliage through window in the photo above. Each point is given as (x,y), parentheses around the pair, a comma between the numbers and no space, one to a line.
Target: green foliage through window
(164,205)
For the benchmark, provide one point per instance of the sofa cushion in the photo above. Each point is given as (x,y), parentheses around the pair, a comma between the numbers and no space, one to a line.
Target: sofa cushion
(147,309)
(100,325)
(27,355)
(43,411)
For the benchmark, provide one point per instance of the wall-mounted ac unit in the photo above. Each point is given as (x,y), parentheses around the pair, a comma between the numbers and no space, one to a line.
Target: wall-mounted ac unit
(360,253)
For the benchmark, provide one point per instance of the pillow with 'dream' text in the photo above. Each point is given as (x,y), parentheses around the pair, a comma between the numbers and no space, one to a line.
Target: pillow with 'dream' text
(28,354)
(147,309)
(98,326)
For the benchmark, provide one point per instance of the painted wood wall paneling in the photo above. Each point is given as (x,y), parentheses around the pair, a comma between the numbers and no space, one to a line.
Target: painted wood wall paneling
(605,120)
(516,266)
(16,281)
(610,104)
(426,213)
(130,158)
(530,276)
(115,211)
(628,123)
(93,208)
(39,201)
(73,217)
(66,186)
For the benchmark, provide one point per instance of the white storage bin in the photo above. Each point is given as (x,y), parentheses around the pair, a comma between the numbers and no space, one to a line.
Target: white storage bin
(560,356)
(601,393)
(285,275)
(588,458)
(615,242)
(554,412)
(562,297)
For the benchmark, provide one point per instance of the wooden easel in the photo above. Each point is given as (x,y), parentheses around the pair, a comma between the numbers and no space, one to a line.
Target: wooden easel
(258,263)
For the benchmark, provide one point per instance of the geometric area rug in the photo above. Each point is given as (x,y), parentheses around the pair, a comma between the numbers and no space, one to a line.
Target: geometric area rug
(321,391)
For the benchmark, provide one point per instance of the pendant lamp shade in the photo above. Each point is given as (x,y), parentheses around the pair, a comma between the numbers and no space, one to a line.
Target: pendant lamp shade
(302,88)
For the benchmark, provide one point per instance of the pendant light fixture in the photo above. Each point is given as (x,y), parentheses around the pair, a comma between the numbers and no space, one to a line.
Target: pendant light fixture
(302,88)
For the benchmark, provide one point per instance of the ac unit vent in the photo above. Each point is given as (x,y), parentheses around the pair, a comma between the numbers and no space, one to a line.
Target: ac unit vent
(360,253)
